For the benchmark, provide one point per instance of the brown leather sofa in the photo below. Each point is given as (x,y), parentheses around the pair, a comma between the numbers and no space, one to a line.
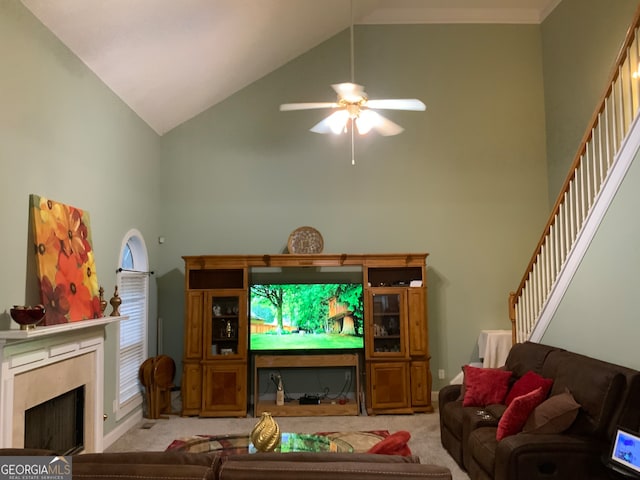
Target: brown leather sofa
(263,466)
(608,395)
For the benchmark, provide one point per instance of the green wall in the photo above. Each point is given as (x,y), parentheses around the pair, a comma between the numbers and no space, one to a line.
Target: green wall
(580,42)
(66,136)
(465,182)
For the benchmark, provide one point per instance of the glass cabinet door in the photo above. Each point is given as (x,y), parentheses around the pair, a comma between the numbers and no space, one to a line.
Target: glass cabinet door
(388,323)
(226,326)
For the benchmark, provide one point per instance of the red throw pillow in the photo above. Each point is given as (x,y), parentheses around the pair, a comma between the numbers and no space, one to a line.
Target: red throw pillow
(516,414)
(529,382)
(484,386)
(394,444)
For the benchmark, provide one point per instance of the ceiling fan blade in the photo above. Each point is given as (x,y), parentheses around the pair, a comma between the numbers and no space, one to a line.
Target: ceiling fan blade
(351,92)
(386,127)
(322,126)
(397,104)
(285,107)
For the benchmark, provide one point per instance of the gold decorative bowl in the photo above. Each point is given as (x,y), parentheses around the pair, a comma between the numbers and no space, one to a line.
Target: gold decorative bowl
(27,317)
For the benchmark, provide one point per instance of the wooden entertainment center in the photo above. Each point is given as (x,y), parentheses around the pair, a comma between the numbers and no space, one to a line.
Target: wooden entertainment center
(217,363)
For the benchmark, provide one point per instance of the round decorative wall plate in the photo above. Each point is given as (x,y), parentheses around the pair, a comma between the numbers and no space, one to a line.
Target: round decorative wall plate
(305,240)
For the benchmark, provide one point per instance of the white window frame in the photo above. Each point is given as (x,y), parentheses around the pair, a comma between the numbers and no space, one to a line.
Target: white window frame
(134,240)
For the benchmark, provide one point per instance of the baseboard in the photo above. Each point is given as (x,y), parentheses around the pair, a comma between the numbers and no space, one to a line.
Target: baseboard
(122,428)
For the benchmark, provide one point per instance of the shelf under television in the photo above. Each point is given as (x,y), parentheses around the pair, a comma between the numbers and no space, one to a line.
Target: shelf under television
(294,409)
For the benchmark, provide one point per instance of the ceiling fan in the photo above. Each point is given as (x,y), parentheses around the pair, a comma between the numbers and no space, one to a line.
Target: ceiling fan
(354,109)
(353,106)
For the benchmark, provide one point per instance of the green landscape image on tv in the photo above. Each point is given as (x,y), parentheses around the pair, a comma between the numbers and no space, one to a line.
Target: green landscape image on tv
(297,316)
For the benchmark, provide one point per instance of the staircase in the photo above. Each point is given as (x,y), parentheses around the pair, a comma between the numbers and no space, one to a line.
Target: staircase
(604,156)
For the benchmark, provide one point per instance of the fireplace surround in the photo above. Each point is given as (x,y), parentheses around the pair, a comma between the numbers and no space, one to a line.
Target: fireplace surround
(41,364)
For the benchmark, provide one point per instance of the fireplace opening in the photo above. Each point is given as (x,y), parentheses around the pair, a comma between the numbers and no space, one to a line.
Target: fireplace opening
(57,424)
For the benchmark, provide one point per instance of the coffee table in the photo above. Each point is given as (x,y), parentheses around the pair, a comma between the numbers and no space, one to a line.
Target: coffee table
(308,442)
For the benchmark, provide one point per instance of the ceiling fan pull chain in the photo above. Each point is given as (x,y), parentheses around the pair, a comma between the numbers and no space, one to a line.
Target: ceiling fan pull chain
(353,148)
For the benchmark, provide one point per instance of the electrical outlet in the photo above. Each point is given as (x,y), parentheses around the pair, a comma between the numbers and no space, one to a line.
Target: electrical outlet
(347,375)
(272,376)
(441,373)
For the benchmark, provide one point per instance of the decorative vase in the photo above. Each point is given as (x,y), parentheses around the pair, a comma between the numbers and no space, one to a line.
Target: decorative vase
(265,436)
(115,303)
(103,302)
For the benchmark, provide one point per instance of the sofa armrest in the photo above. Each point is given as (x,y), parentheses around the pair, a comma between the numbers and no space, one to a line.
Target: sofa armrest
(448,393)
(541,456)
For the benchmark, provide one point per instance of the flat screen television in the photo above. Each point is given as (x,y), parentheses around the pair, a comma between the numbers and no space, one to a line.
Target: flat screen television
(306,317)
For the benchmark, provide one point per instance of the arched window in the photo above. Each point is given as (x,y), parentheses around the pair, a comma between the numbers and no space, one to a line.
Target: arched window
(133,287)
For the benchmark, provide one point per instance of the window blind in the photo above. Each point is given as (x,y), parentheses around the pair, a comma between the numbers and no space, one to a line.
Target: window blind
(133,292)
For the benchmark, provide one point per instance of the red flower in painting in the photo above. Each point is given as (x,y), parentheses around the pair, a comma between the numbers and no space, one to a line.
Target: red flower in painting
(72,233)
(96,311)
(77,292)
(55,301)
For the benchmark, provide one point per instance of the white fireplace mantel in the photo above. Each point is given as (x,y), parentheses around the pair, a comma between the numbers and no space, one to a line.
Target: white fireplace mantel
(53,351)
(16,334)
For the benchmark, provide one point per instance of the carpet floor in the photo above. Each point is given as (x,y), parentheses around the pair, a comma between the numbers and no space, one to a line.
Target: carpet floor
(157,435)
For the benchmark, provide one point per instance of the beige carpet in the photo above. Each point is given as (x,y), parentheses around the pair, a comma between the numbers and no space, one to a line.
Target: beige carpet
(424,429)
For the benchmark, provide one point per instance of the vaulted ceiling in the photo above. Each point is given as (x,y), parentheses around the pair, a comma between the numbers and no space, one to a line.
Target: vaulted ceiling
(170,60)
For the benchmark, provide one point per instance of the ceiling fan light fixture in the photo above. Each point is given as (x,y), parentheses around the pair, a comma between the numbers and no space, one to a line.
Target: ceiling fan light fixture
(338,121)
(367,120)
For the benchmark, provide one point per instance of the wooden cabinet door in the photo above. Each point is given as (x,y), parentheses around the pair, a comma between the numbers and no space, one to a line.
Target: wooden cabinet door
(420,384)
(388,385)
(418,332)
(224,389)
(225,335)
(193,326)
(386,323)
(191,388)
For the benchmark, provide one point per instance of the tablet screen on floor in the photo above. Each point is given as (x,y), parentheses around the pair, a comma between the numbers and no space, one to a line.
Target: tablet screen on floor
(625,451)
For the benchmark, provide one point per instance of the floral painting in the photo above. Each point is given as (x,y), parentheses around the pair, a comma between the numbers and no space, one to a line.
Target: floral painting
(65,262)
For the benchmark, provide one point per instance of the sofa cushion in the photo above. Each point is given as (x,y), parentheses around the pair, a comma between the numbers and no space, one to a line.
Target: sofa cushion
(596,385)
(517,412)
(554,415)
(484,386)
(529,382)
(527,356)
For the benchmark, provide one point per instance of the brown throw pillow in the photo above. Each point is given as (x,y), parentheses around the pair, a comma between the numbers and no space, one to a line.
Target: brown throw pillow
(554,415)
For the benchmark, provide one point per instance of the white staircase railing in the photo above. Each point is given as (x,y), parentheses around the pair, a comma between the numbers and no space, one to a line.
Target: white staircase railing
(592,167)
